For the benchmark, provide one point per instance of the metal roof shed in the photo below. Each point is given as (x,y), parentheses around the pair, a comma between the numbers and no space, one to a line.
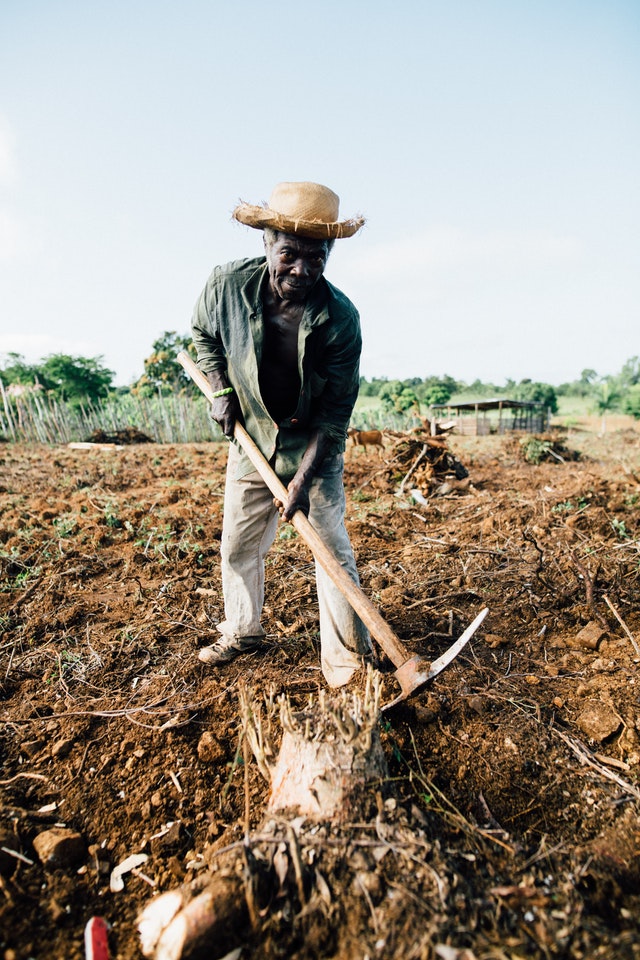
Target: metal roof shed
(497,415)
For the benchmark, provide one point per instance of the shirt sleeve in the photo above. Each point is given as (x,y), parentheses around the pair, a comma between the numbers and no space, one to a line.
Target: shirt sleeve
(205,331)
(337,380)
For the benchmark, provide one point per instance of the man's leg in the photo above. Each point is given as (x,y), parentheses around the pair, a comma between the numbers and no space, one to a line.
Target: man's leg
(344,639)
(249,526)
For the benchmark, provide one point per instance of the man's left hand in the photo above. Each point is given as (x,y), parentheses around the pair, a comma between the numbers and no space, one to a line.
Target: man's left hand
(298,499)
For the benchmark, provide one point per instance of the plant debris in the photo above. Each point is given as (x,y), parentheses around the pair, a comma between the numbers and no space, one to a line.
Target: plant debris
(123,437)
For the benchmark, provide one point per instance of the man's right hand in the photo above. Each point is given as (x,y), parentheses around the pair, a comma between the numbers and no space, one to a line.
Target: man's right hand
(225,411)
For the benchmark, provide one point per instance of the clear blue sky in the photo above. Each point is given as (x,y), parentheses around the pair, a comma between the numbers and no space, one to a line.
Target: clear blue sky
(493,146)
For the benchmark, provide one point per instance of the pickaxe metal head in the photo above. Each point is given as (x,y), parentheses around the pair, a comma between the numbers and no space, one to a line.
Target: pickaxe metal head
(417,671)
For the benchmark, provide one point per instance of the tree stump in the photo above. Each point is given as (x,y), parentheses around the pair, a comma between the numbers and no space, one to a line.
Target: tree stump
(330,752)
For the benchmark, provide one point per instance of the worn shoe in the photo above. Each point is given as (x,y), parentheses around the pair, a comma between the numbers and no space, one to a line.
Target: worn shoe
(227,649)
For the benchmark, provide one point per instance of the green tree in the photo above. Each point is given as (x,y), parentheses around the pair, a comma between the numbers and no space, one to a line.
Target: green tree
(76,378)
(629,376)
(631,401)
(437,393)
(69,378)
(398,398)
(584,387)
(15,369)
(606,398)
(162,372)
(480,389)
(371,388)
(537,392)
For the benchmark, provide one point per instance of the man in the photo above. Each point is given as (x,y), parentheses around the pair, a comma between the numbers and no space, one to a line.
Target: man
(280,347)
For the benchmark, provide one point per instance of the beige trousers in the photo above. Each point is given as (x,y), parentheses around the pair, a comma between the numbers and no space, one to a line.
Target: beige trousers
(248,530)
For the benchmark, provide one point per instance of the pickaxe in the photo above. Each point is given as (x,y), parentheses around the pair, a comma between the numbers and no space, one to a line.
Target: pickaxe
(411,672)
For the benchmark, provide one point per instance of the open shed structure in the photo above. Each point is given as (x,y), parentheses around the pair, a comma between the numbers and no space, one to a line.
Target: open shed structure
(498,415)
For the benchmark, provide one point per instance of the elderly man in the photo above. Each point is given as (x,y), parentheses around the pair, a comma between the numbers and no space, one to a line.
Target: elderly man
(280,347)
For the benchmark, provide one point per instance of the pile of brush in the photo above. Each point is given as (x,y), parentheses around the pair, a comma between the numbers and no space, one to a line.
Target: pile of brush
(127,435)
(423,465)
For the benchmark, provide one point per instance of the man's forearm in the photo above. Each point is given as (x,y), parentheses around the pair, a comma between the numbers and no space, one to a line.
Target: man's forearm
(313,456)
(298,489)
(217,379)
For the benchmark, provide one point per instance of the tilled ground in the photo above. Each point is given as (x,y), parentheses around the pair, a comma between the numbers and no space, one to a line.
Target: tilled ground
(509,824)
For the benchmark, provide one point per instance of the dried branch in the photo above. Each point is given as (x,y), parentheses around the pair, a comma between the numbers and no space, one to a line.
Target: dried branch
(634,643)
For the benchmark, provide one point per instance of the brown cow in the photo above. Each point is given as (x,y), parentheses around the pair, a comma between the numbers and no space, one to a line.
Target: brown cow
(363,437)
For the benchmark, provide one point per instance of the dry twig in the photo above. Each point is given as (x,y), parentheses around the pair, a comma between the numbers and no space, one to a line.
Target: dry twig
(634,643)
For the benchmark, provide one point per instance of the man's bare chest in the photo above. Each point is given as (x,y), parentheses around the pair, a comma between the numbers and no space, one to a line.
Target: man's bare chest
(281,337)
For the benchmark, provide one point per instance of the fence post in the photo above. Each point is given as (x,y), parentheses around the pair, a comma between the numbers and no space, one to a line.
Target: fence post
(7,410)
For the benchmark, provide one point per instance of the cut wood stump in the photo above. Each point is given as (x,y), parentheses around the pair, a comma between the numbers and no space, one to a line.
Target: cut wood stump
(330,756)
(329,752)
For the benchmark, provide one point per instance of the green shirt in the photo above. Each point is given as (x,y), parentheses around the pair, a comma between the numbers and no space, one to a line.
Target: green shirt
(228,332)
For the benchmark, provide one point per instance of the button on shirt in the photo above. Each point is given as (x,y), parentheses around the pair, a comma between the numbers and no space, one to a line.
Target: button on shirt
(227,329)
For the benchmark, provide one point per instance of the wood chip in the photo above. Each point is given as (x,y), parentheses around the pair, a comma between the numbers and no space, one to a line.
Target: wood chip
(116,883)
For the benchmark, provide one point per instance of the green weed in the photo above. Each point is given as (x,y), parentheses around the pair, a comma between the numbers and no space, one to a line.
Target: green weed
(535,450)
(287,532)
(567,506)
(65,525)
(163,541)
(111,517)
(620,529)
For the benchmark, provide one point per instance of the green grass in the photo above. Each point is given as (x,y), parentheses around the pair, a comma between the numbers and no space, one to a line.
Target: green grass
(575,407)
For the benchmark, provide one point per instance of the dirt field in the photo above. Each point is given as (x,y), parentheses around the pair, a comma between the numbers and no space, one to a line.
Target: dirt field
(508,827)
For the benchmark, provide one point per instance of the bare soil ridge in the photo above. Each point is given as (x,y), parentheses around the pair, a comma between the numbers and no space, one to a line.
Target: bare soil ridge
(517,770)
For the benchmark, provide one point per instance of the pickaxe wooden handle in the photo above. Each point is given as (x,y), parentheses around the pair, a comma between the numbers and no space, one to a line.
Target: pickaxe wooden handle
(416,669)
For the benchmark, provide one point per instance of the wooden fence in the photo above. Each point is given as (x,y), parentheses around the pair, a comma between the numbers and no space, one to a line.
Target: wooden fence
(35,417)
(38,417)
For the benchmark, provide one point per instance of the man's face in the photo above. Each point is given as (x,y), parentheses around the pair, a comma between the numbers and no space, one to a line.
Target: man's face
(295,265)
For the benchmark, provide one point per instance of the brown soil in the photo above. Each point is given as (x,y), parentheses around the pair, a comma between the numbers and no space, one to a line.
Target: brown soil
(509,825)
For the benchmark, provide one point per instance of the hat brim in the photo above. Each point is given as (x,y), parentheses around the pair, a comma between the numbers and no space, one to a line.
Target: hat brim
(261,217)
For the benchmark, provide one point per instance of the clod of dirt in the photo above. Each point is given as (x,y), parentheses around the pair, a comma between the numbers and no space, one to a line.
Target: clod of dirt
(61,749)
(494,640)
(209,748)
(617,850)
(589,637)
(599,721)
(60,847)
(167,839)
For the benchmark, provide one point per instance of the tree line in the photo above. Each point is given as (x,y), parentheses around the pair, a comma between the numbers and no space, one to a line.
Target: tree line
(618,392)
(415,393)
(77,380)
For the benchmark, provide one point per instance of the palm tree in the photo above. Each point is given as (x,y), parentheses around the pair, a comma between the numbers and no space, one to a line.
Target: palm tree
(606,398)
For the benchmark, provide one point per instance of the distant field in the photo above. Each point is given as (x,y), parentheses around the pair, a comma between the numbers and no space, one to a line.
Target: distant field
(568,406)
(575,407)
(573,413)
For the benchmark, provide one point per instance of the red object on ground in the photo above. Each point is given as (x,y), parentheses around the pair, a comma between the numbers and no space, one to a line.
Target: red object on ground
(96,944)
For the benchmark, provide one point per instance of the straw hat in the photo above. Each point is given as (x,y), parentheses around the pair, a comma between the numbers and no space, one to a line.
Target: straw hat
(304,209)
